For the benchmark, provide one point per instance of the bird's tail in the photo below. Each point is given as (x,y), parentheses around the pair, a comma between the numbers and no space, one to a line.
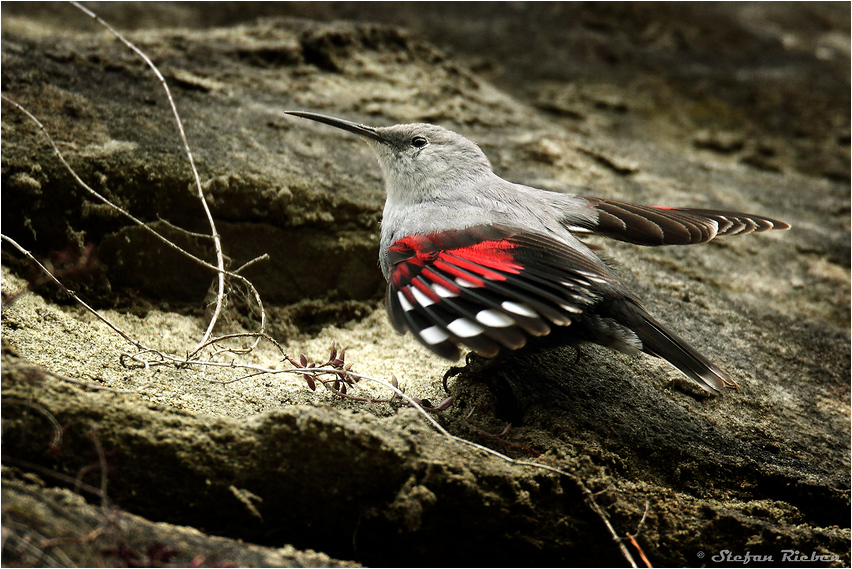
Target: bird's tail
(662,343)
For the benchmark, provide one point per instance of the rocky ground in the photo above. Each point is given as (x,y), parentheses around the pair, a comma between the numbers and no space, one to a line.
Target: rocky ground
(735,106)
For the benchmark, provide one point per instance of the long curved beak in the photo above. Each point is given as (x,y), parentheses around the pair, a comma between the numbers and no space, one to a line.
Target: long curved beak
(359,129)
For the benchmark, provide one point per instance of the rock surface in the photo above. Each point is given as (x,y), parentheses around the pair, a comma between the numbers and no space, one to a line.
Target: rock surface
(651,105)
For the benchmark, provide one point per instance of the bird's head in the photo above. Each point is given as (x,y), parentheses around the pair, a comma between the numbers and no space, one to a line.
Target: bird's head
(419,161)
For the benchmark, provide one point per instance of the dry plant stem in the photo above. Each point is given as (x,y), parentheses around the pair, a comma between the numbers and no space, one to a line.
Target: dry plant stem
(48,472)
(73,295)
(138,222)
(642,556)
(94,534)
(642,521)
(171,225)
(220,261)
(57,428)
(632,536)
(24,539)
(264,257)
(256,335)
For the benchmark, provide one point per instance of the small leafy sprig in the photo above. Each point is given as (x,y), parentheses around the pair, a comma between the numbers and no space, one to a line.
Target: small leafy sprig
(336,375)
(335,365)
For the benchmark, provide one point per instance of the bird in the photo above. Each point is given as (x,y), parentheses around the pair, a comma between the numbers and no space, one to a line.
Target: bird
(474,260)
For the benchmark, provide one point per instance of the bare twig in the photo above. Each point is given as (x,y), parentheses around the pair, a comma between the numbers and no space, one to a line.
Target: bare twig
(240,335)
(91,536)
(264,257)
(56,443)
(179,229)
(6,459)
(247,499)
(632,537)
(642,521)
(220,261)
(71,293)
(219,269)
(642,556)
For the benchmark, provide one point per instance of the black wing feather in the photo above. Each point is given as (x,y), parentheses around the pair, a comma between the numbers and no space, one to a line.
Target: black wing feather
(656,225)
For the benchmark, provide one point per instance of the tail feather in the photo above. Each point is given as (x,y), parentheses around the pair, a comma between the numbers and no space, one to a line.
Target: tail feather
(662,343)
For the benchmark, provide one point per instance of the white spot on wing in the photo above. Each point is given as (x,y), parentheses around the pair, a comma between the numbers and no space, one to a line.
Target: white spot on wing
(570,308)
(593,278)
(520,309)
(464,328)
(403,301)
(433,335)
(421,298)
(461,282)
(493,319)
(443,292)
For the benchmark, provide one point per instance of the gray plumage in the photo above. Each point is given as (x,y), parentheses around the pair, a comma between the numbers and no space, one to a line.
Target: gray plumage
(473,259)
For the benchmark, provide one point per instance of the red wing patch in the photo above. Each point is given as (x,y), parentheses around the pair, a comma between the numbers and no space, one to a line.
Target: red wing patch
(485,288)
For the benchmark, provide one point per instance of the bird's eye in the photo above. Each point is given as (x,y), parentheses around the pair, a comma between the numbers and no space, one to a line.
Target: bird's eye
(419,142)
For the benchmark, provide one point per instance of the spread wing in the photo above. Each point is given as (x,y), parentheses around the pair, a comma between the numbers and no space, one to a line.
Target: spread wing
(487,287)
(658,225)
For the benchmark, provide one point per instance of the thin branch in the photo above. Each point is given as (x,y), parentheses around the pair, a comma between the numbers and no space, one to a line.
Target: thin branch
(73,294)
(264,257)
(56,443)
(171,225)
(242,335)
(92,191)
(642,521)
(220,261)
(8,459)
(632,537)
(132,218)
(635,544)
